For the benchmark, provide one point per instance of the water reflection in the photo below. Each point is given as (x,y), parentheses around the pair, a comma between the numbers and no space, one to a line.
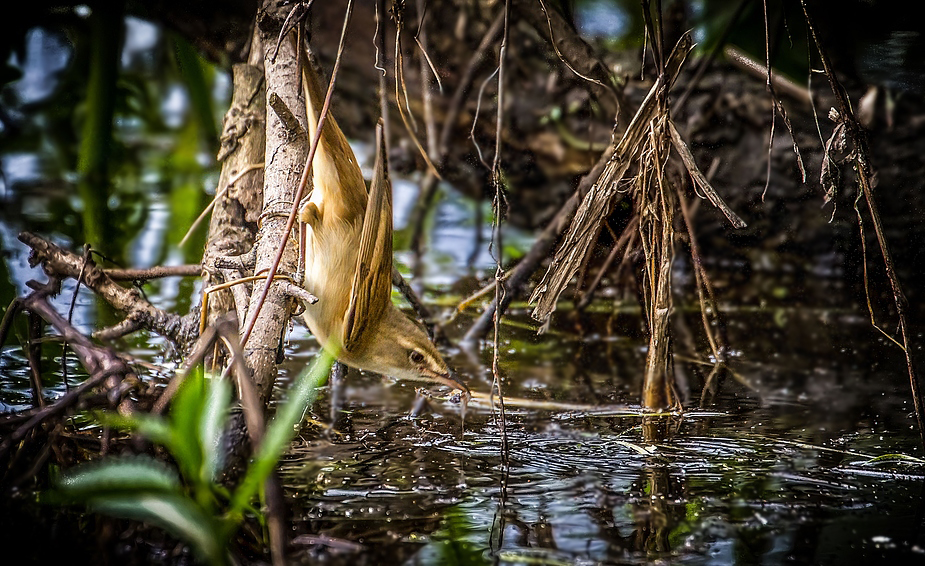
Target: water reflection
(785,474)
(777,479)
(61,178)
(46,55)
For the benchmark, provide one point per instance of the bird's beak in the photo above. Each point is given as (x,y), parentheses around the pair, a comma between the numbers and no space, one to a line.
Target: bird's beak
(451,379)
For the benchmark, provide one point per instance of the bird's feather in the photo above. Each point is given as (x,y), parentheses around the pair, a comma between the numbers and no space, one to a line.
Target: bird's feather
(334,167)
(372,282)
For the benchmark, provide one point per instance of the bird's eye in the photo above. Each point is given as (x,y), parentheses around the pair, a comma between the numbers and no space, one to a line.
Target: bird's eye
(416,357)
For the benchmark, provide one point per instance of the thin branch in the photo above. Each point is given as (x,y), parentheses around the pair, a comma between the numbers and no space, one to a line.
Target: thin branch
(8,317)
(704,287)
(779,82)
(576,54)
(625,243)
(475,119)
(379,42)
(428,71)
(429,184)
(405,289)
(61,263)
(700,181)
(554,43)
(123,328)
(421,39)
(596,205)
(34,355)
(219,194)
(41,415)
(522,272)
(401,88)
(863,169)
(499,202)
(156,272)
(70,314)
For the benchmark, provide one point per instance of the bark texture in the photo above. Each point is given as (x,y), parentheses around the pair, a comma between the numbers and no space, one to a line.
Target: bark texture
(239,194)
(286,152)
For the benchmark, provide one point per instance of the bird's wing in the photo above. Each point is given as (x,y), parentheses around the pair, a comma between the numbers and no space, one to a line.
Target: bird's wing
(372,281)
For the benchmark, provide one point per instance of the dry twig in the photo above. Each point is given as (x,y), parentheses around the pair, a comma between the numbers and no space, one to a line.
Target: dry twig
(600,199)
(849,128)
(60,263)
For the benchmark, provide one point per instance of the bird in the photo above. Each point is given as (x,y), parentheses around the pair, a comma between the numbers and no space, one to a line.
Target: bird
(348,261)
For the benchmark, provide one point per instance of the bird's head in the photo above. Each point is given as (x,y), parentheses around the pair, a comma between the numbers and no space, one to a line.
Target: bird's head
(401,349)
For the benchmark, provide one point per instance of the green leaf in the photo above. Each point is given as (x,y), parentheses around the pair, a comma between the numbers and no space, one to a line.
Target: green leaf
(136,474)
(174,513)
(185,417)
(279,433)
(154,428)
(212,426)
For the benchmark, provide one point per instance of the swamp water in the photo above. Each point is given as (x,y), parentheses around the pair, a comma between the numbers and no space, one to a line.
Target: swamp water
(795,461)
(785,473)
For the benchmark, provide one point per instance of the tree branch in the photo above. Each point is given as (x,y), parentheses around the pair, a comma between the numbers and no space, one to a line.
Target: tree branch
(60,263)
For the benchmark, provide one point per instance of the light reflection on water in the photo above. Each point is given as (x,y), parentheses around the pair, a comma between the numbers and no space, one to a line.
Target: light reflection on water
(46,55)
(784,476)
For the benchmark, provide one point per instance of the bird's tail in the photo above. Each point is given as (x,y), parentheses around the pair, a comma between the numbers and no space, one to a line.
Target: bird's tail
(335,167)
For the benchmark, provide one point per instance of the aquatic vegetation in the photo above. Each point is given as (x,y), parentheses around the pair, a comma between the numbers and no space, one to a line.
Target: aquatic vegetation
(192,505)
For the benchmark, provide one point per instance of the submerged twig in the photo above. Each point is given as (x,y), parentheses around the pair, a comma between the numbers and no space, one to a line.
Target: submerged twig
(709,313)
(484,400)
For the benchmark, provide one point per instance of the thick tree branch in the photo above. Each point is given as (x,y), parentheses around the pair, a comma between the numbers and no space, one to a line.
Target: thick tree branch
(285,159)
(233,226)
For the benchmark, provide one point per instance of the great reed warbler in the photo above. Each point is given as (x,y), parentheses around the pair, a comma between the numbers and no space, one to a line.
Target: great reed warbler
(348,261)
